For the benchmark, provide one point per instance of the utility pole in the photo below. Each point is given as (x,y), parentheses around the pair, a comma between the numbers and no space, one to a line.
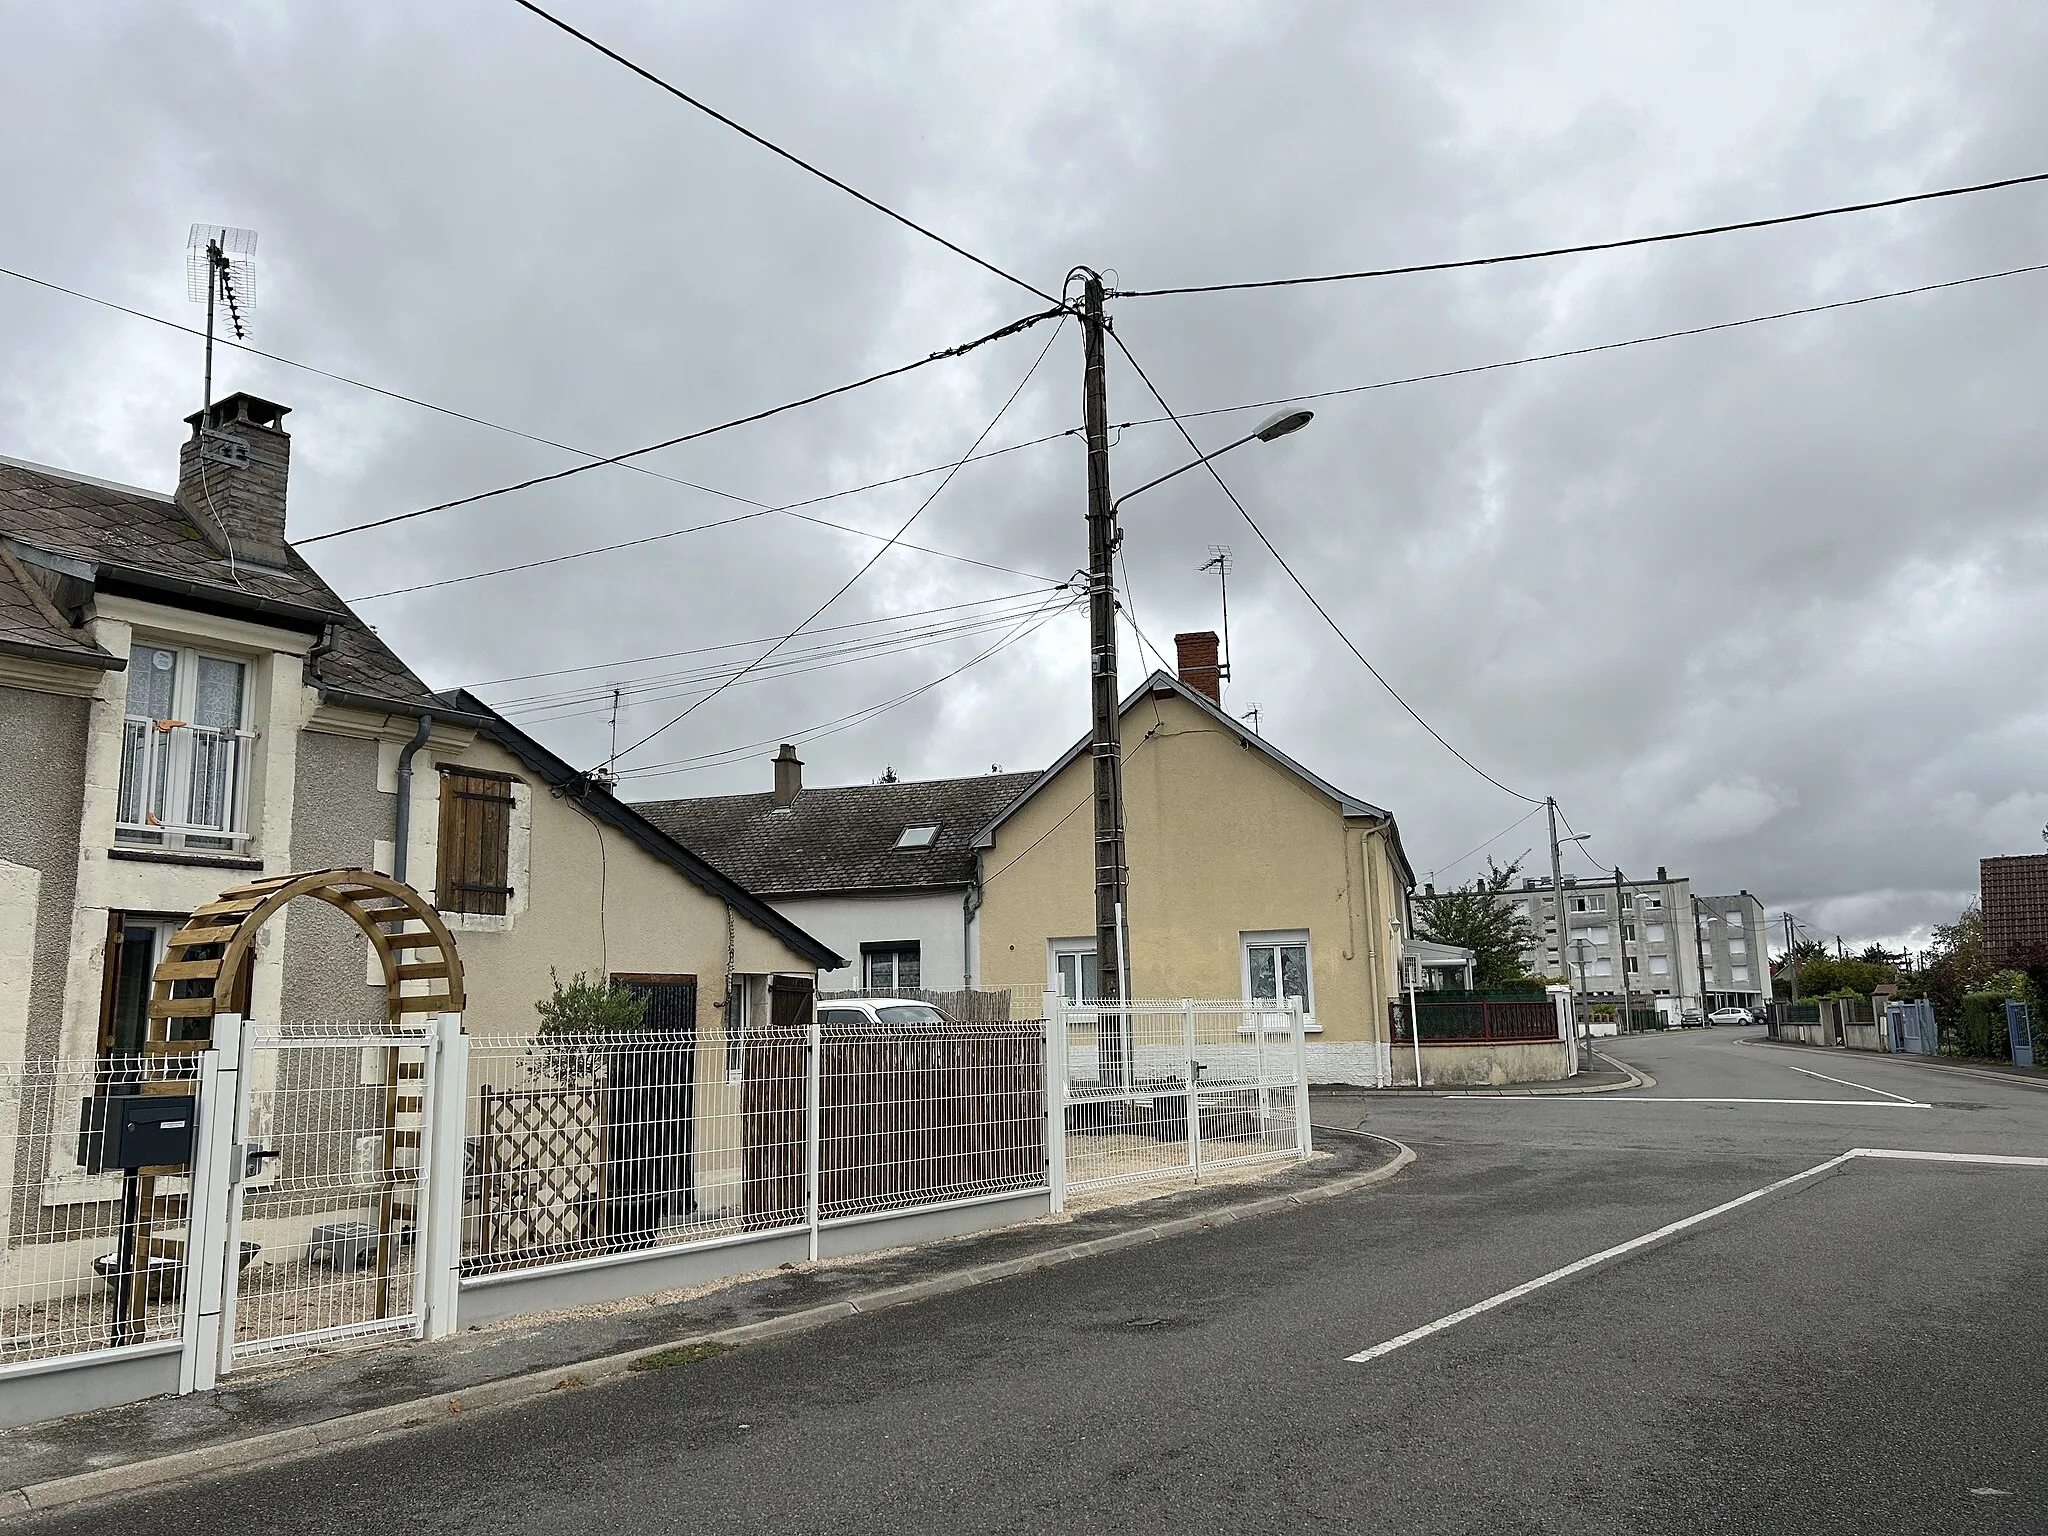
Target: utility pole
(1699,945)
(1106,747)
(1628,997)
(1557,910)
(1792,953)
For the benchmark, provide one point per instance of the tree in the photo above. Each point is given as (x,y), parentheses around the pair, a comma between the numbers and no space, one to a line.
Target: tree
(588,1007)
(1479,916)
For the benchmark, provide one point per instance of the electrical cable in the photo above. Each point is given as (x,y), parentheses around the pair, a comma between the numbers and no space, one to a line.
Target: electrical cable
(733,645)
(1302,586)
(847,722)
(1503,832)
(1583,249)
(869,564)
(1587,351)
(788,509)
(740,128)
(1025,323)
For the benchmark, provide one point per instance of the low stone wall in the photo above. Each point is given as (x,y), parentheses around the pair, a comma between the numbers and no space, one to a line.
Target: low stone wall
(1489,1065)
(1863,1037)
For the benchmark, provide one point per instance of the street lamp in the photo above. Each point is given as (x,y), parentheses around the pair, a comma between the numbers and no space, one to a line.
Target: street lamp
(1279,424)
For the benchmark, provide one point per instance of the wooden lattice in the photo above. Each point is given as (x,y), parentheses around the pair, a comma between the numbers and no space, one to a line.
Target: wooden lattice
(542,1174)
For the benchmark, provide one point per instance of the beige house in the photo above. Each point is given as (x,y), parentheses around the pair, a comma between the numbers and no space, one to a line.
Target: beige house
(1250,878)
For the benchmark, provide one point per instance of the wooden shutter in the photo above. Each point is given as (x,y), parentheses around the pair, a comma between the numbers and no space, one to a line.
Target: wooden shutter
(475,841)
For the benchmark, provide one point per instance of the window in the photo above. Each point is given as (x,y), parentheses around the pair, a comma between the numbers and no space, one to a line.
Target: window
(917,837)
(1628,900)
(1628,932)
(671,1002)
(1276,969)
(1739,972)
(891,967)
(184,752)
(1649,901)
(1603,967)
(1634,965)
(1654,932)
(135,944)
(1522,909)
(735,1029)
(475,841)
(1074,971)
(1707,977)
(1660,965)
(1589,903)
(1737,944)
(1592,935)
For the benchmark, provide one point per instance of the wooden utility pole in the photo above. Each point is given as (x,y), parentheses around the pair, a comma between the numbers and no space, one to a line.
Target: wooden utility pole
(1106,748)
(1628,996)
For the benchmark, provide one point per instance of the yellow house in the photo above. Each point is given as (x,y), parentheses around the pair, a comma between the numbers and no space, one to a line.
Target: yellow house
(1250,878)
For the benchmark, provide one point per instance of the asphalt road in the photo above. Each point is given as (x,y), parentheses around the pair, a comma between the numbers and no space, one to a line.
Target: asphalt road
(1861,1351)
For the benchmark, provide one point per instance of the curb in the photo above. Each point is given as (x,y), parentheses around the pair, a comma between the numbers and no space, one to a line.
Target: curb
(1635,1080)
(395,1418)
(1907,1060)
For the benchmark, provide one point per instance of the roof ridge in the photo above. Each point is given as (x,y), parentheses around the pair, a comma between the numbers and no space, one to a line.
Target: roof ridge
(57,473)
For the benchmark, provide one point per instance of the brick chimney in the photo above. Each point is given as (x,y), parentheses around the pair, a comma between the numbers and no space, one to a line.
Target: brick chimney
(1199,668)
(789,776)
(231,476)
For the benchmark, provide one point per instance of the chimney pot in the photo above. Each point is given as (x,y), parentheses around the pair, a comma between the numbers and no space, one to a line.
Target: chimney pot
(789,775)
(1196,655)
(231,476)
(1662,873)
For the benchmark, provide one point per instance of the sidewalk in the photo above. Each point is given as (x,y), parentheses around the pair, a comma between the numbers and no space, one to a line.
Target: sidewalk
(1604,1075)
(293,1412)
(2032,1077)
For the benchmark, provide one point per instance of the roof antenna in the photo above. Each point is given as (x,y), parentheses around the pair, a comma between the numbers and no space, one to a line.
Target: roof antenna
(1219,562)
(1252,714)
(217,268)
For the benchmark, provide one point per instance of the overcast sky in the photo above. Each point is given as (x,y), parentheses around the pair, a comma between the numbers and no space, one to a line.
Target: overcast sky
(1762,606)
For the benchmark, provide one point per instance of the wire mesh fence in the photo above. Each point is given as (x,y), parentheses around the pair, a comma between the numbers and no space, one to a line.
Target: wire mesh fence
(93,1258)
(1169,1089)
(332,1123)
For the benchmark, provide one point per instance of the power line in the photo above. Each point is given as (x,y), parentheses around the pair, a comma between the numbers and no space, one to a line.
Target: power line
(788,509)
(1025,323)
(1587,351)
(869,564)
(1503,832)
(733,645)
(1314,602)
(740,128)
(1580,250)
(845,722)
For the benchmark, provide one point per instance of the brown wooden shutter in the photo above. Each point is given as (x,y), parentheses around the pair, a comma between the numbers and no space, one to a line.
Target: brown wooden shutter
(475,841)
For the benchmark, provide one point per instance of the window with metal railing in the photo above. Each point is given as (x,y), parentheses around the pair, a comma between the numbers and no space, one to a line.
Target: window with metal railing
(185,751)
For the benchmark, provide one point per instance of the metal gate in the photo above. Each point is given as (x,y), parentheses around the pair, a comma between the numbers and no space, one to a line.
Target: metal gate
(2019,1028)
(1914,1031)
(328,1178)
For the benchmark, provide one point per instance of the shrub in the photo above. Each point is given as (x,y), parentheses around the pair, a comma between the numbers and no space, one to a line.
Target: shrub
(589,1007)
(1980,1029)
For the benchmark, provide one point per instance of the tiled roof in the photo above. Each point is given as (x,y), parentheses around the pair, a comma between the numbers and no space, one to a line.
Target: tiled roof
(841,839)
(121,529)
(29,626)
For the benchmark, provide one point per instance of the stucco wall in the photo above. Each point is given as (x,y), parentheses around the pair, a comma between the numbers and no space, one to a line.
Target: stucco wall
(340,817)
(42,785)
(1472,1066)
(1222,841)
(934,919)
(621,910)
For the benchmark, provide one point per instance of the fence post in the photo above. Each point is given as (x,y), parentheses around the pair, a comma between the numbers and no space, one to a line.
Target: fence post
(1055,1100)
(1194,1101)
(206,1251)
(441,1174)
(236,1169)
(814,1195)
(1302,1133)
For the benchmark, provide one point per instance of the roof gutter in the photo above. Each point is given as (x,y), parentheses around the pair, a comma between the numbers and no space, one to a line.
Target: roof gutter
(343,699)
(109,576)
(62,655)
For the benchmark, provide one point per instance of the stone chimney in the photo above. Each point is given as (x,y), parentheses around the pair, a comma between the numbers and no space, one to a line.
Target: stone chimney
(1662,873)
(1199,668)
(231,476)
(789,776)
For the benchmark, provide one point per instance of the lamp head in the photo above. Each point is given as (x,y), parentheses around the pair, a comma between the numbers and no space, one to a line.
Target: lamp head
(1280,423)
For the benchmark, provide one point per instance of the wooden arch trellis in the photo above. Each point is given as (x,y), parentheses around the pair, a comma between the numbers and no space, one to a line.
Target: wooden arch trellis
(205,969)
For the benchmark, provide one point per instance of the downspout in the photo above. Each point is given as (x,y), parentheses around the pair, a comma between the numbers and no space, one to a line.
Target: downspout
(969,905)
(401,831)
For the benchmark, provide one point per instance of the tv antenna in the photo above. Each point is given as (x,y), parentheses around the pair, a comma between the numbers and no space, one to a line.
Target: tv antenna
(1219,561)
(217,271)
(1253,714)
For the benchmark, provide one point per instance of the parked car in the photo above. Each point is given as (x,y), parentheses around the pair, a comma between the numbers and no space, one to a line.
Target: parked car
(1730,1016)
(878,1010)
(1692,1018)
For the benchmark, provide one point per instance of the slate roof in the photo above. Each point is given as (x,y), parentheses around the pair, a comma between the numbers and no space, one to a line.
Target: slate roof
(844,838)
(31,626)
(140,542)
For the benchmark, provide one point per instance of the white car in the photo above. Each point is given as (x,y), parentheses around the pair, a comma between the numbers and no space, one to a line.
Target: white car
(877,1010)
(1730,1016)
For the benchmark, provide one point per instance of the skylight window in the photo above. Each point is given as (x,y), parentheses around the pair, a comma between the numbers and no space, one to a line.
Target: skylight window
(918,837)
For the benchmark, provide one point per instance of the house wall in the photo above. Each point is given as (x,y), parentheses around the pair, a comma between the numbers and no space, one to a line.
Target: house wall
(1222,841)
(342,816)
(42,771)
(597,902)
(934,919)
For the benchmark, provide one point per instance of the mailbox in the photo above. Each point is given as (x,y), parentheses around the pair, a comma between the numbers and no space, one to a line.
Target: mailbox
(137,1130)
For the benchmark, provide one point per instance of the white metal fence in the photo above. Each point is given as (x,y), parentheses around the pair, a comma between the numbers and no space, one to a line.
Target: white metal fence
(1170,1089)
(74,1231)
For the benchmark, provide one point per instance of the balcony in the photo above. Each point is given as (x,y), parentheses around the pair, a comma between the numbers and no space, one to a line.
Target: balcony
(183,786)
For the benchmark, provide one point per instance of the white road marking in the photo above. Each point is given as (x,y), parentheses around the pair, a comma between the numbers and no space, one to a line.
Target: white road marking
(1900,1154)
(1866,1087)
(1662,1098)
(1414,1335)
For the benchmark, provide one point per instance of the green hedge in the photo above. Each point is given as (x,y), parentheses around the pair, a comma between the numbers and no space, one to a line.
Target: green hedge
(1981,1030)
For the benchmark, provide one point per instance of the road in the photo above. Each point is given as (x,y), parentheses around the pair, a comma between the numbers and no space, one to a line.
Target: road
(1859,1351)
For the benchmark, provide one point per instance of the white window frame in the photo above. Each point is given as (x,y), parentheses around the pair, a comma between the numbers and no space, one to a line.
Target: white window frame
(1653,933)
(167,757)
(1660,965)
(1277,939)
(894,949)
(1054,950)
(1739,972)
